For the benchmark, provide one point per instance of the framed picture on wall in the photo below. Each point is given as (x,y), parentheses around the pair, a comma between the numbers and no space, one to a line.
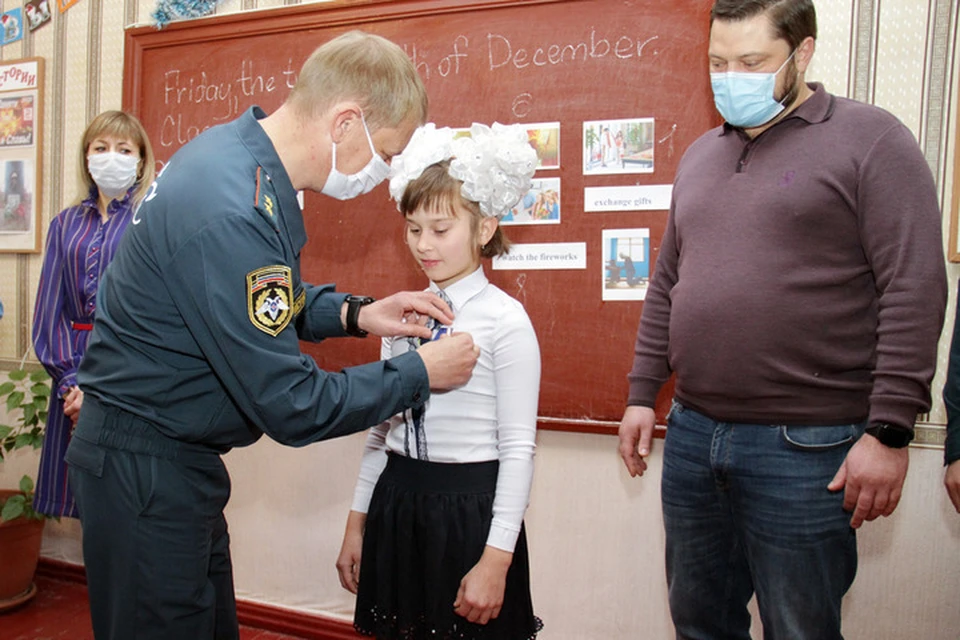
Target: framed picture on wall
(21,110)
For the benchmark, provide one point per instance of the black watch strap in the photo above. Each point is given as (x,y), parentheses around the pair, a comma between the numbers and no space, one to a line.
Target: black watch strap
(892,435)
(353,314)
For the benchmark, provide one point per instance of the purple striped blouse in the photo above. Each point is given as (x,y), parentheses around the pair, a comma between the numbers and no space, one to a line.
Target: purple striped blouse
(80,245)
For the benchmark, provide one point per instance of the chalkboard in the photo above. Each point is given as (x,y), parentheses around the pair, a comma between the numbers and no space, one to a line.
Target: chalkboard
(535,61)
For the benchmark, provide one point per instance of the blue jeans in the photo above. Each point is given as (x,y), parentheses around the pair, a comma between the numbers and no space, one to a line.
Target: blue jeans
(746,509)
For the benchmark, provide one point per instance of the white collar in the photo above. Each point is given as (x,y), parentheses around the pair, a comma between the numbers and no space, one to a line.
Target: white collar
(462,290)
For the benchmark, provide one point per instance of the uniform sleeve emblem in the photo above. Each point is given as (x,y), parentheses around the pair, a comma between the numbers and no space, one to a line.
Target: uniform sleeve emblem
(269,298)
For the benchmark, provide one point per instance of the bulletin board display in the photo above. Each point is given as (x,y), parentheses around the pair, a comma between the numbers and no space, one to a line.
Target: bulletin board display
(575,71)
(21,154)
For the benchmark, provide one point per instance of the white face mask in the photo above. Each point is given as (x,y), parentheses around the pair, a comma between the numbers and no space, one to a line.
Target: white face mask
(344,187)
(113,172)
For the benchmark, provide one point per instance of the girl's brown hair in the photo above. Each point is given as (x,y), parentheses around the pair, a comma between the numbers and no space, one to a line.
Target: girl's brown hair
(436,189)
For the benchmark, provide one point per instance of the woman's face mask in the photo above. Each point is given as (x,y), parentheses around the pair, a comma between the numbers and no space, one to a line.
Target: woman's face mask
(113,172)
(344,187)
(746,99)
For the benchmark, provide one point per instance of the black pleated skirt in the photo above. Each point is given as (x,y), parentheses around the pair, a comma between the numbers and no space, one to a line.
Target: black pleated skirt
(426,527)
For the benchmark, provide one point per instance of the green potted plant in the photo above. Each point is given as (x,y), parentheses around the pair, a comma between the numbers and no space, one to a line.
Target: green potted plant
(26,396)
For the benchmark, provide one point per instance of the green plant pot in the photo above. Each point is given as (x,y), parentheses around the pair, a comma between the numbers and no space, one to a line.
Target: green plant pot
(19,552)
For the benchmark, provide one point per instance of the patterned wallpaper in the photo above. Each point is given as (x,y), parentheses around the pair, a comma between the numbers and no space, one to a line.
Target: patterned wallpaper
(831,61)
(901,55)
(898,54)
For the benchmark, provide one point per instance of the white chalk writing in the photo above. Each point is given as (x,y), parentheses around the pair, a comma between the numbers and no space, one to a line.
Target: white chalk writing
(224,97)
(501,53)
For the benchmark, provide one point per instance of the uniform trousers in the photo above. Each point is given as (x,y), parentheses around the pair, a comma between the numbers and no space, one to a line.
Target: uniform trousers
(155,541)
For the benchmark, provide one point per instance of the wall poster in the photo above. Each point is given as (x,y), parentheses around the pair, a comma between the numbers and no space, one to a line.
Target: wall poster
(21,110)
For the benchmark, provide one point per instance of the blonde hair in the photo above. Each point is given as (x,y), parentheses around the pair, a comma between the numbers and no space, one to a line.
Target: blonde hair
(122,125)
(369,69)
(436,189)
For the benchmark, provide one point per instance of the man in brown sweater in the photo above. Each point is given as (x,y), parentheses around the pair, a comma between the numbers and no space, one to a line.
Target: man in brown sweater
(798,296)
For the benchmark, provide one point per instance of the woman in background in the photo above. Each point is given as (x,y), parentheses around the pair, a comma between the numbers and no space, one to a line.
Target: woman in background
(117,169)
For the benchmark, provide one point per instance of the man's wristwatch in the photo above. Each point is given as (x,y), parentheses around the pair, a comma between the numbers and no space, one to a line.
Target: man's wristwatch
(353,314)
(894,436)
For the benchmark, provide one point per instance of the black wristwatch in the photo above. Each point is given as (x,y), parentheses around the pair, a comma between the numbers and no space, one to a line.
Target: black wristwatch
(353,314)
(894,436)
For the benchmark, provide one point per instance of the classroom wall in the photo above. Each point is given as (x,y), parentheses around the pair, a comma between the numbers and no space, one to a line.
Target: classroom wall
(596,535)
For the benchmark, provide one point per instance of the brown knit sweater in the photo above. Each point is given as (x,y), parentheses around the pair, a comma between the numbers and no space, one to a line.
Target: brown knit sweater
(801,277)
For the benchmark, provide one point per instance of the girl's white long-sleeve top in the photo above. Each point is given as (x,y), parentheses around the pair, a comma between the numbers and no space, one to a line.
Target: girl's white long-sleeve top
(492,417)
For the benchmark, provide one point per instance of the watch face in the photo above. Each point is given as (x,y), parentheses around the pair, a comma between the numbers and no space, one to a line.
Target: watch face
(899,437)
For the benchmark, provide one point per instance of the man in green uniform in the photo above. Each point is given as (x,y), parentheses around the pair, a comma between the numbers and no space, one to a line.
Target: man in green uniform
(196,350)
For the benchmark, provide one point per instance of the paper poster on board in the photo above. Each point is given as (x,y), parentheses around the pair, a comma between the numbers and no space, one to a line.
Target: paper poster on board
(16,196)
(17,120)
(618,146)
(540,205)
(626,264)
(545,139)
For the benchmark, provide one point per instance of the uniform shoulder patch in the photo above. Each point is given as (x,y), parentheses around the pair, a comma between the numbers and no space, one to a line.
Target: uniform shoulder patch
(270,298)
(265,199)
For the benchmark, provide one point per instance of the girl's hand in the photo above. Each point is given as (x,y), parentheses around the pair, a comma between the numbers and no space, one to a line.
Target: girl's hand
(348,562)
(481,591)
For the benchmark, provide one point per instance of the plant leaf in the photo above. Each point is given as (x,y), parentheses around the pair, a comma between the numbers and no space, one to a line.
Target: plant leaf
(4,431)
(18,374)
(13,508)
(40,389)
(14,400)
(6,388)
(26,484)
(40,375)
